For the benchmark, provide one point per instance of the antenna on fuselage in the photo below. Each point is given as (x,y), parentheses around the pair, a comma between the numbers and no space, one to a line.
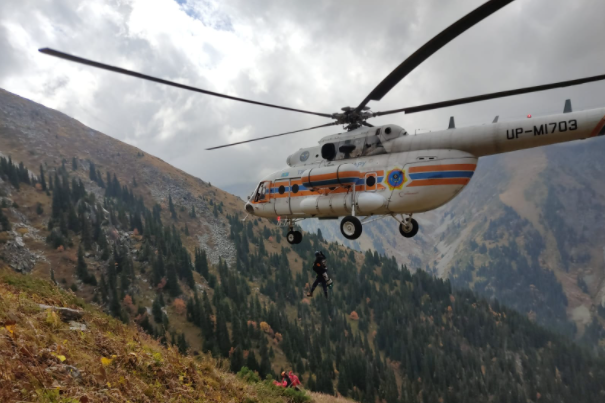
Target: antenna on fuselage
(452,123)
(496,119)
(567,108)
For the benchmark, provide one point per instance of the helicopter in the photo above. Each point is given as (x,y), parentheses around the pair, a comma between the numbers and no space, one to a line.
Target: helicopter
(374,172)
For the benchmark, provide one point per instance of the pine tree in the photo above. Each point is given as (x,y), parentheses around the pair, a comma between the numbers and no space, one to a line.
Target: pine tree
(222,335)
(92,172)
(86,235)
(251,361)
(82,268)
(182,344)
(171,207)
(4,223)
(173,283)
(192,214)
(237,359)
(100,179)
(156,309)
(74,164)
(201,263)
(42,178)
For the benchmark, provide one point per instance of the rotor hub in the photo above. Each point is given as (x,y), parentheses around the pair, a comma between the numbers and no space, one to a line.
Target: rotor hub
(351,118)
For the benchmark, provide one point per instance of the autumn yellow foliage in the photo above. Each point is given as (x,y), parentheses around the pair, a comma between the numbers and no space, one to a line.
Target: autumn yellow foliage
(43,360)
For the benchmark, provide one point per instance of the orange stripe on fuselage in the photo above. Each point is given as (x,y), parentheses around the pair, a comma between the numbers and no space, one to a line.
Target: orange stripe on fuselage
(598,128)
(341,175)
(441,168)
(435,182)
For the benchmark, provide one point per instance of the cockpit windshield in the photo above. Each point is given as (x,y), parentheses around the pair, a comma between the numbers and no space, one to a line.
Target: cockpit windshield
(262,192)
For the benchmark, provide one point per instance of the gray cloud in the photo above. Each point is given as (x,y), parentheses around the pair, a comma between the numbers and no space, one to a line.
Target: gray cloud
(316,55)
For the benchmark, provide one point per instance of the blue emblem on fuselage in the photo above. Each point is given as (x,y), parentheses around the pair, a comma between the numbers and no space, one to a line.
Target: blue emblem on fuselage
(304,156)
(283,175)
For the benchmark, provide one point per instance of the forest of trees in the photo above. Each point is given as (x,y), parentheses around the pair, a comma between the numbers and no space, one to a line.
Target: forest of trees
(385,333)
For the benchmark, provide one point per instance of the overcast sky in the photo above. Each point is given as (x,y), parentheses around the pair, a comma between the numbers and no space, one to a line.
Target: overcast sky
(314,54)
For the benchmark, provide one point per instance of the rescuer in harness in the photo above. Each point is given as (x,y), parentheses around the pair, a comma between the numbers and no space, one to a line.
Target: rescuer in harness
(320,268)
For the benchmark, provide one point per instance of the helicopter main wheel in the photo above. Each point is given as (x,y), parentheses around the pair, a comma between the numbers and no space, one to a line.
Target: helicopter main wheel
(351,227)
(409,230)
(294,237)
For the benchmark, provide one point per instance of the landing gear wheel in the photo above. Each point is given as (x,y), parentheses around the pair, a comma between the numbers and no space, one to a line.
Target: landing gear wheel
(294,237)
(350,227)
(410,230)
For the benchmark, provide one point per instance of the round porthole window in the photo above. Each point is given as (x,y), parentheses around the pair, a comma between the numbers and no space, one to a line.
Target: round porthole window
(294,188)
(370,181)
(304,156)
(281,190)
(387,130)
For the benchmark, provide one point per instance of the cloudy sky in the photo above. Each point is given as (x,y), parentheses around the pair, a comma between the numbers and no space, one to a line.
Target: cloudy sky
(315,54)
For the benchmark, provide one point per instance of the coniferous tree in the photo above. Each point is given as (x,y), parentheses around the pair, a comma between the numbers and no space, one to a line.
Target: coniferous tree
(201,263)
(42,178)
(74,164)
(222,335)
(86,235)
(171,207)
(192,214)
(4,223)
(100,179)
(156,309)
(173,283)
(82,269)
(92,172)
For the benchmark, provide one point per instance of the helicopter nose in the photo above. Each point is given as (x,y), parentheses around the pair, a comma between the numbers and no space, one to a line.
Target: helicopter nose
(249,208)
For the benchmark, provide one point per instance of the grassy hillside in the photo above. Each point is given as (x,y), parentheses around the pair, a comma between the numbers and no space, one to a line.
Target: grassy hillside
(44,357)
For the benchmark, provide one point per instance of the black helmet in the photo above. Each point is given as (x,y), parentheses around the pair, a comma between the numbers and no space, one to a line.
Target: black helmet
(318,253)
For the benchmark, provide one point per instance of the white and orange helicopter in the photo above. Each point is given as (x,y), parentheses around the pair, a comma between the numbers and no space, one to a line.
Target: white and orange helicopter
(373,172)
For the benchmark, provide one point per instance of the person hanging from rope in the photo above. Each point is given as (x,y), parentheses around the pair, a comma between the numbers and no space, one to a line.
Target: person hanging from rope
(320,268)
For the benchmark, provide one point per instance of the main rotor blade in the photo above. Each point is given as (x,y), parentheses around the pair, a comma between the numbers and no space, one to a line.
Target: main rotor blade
(274,135)
(432,46)
(120,70)
(494,95)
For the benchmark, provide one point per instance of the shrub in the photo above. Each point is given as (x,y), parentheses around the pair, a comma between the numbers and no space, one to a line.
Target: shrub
(248,375)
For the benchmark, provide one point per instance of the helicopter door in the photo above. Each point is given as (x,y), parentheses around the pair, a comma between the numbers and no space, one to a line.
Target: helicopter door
(263,192)
(370,182)
(282,197)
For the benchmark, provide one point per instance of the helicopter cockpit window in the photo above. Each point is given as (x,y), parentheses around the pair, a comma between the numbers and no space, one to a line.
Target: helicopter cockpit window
(373,146)
(262,192)
(328,151)
(350,149)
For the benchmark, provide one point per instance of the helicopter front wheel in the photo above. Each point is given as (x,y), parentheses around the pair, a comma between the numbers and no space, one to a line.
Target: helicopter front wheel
(410,229)
(351,227)
(294,237)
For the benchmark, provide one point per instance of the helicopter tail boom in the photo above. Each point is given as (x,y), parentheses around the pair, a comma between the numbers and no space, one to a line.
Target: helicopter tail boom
(504,137)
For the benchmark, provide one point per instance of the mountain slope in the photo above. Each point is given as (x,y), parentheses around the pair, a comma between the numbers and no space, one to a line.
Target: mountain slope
(97,358)
(158,248)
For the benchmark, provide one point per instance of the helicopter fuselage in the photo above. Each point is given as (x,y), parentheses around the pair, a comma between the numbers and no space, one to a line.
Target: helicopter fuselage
(384,170)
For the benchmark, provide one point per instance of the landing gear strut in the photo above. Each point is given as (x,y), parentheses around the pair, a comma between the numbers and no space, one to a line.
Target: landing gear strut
(350,226)
(293,237)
